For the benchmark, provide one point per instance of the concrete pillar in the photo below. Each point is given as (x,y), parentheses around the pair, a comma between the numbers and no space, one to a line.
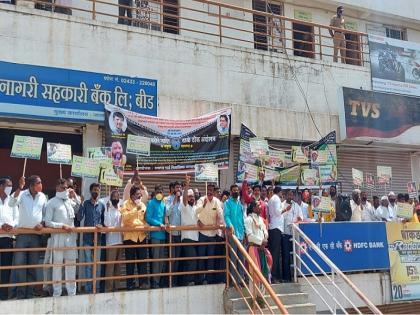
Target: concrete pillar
(92,137)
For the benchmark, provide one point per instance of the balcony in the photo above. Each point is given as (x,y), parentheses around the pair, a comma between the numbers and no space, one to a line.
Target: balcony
(261,26)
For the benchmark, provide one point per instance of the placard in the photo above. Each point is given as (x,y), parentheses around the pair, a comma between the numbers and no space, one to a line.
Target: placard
(252,172)
(369,180)
(258,146)
(327,173)
(58,153)
(384,174)
(404,210)
(310,177)
(412,189)
(357,177)
(138,145)
(84,167)
(99,153)
(324,205)
(299,155)
(207,172)
(27,147)
(108,175)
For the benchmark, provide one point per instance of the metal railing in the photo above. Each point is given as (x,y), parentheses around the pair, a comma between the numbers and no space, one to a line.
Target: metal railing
(97,262)
(223,23)
(253,288)
(329,291)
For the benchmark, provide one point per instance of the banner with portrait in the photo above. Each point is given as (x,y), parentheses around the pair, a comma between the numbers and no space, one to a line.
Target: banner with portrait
(175,145)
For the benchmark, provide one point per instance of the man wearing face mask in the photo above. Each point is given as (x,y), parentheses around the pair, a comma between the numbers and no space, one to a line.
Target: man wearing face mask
(136,181)
(31,209)
(256,195)
(59,214)
(368,212)
(208,212)
(174,217)
(189,217)
(92,211)
(155,216)
(133,213)
(8,220)
(234,219)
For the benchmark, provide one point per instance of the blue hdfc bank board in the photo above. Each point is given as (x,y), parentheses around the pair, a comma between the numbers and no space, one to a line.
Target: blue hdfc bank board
(36,92)
(351,246)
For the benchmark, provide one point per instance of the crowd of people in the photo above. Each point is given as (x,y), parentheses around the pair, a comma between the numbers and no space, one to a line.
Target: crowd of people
(259,216)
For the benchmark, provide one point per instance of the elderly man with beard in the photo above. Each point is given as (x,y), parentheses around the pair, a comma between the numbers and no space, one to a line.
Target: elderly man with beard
(59,214)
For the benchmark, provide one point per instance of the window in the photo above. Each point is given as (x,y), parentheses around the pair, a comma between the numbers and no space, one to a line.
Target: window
(170,16)
(396,33)
(267,30)
(303,40)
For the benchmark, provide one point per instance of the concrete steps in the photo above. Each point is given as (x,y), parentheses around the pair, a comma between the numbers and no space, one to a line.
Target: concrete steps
(289,294)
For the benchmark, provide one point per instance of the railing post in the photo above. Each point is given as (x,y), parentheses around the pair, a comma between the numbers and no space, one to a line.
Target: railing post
(320,43)
(335,291)
(93,9)
(254,291)
(227,260)
(170,261)
(95,257)
(294,254)
(220,24)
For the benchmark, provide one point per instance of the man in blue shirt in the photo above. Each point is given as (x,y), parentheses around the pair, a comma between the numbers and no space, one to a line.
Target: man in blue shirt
(92,211)
(173,213)
(155,216)
(234,219)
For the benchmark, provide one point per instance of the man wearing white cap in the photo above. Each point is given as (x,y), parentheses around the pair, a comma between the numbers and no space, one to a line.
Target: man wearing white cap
(383,212)
(392,206)
(188,217)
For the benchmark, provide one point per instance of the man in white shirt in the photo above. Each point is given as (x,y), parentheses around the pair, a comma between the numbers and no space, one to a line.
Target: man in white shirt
(8,220)
(392,206)
(189,217)
(368,212)
(383,212)
(292,213)
(31,209)
(355,204)
(303,205)
(276,227)
(59,214)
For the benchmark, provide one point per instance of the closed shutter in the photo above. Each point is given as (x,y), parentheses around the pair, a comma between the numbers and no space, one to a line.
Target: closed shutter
(367,161)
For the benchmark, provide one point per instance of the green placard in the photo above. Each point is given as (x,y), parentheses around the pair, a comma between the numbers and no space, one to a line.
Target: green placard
(138,145)
(84,167)
(303,15)
(27,147)
(58,153)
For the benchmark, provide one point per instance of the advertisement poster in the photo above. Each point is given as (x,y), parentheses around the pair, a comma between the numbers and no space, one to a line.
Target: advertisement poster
(58,153)
(381,117)
(404,253)
(384,174)
(395,65)
(175,145)
(26,147)
(206,173)
(357,177)
(29,91)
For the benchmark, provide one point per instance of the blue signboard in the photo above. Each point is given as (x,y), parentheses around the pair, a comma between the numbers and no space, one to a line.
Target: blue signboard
(351,246)
(46,93)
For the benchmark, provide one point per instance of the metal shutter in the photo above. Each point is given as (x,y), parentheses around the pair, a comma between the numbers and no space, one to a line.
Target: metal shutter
(367,161)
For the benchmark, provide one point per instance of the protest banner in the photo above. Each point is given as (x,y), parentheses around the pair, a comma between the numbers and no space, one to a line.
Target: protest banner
(258,147)
(176,145)
(58,153)
(403,251)
(404,210)
(384,174)
(84,167)
(299,155)
(412,189)
(357,177)
(310,177)
(27,148)
(138,145)
(324,205)
(207,172)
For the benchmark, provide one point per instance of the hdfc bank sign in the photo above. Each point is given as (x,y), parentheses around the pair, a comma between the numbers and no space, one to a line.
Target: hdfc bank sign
(349,245)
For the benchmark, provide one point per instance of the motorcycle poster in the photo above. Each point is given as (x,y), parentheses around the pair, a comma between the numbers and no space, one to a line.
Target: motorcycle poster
(395,65)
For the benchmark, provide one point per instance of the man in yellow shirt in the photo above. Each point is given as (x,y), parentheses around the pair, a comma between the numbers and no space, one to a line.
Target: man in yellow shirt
(133,213)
